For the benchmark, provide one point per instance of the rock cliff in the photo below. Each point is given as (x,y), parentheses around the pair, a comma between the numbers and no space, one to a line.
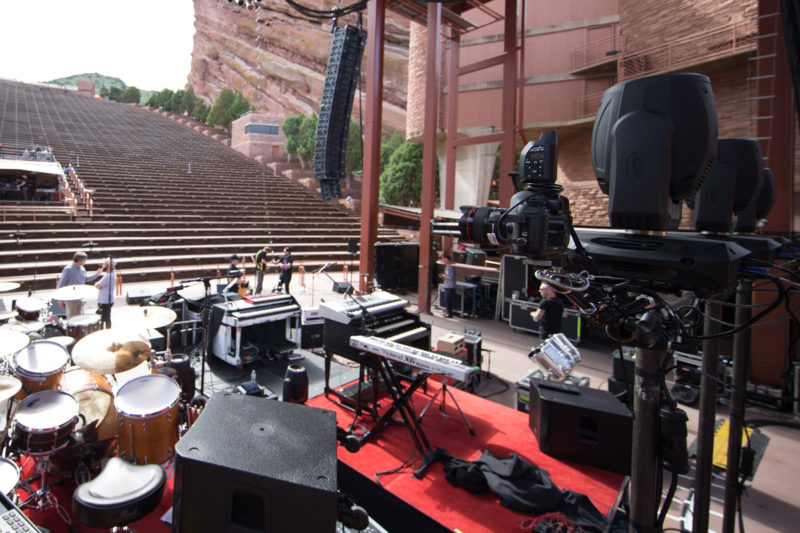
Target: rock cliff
(277,58)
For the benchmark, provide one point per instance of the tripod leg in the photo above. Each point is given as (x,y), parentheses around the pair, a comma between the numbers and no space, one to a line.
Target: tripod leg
(466,420)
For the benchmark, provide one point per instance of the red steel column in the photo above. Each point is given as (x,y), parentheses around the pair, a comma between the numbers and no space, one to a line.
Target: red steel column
(452,129)
(373,117)
(429,141)
(507,148)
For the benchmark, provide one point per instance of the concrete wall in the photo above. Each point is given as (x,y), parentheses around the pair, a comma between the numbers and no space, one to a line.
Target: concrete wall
(265,147)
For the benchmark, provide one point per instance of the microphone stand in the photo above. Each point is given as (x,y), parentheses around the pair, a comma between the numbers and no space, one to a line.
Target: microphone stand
(204,337)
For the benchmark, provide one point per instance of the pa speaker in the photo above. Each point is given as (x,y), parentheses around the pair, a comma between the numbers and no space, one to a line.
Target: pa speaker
(396,264)
(250,465)
(588,426)
(352,245)
(333,124)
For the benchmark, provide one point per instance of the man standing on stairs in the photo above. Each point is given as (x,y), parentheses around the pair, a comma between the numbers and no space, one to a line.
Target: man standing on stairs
(261,266)
(286,270)
(106,286)
(75,274)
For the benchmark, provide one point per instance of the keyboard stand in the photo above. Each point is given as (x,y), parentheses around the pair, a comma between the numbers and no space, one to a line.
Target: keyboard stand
(347,402)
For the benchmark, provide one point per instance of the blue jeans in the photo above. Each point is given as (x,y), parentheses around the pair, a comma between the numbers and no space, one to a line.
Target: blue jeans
(448,300)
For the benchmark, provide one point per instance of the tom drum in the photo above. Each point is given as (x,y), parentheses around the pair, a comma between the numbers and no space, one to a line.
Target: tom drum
(44,422)
(148,413)
(29,308)
(81,325)
(40,365)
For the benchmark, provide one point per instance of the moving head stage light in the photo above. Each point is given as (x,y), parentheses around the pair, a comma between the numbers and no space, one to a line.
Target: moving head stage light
(538,222)
(653,143)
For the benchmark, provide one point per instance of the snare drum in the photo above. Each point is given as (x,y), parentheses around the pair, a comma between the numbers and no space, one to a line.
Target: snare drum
(44,422)
(40,365)
(95,403)
(81,325)
(148,411)
(29,308)
(9,476)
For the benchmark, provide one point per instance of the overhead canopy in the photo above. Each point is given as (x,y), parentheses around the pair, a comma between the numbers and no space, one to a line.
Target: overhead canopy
(452,13)
(15,167)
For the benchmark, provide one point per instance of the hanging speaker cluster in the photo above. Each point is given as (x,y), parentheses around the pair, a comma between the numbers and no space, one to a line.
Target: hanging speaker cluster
(341,78)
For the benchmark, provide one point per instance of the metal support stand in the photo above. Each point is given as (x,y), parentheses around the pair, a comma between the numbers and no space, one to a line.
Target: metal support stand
(444,391)
(645,495)
(705,427)
(741,358)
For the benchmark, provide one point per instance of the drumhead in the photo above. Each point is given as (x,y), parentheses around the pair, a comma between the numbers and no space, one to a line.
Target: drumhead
(46,409)
(41,357)
(147,395)
(30,304)
(9,475)
(83,320)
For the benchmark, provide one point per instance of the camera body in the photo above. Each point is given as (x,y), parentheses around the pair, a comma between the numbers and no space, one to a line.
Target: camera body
(538,222)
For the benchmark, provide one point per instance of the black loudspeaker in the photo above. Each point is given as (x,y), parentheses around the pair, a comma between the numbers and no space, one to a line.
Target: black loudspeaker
(396,264)
(341,78)
(352,245)
(250,465)
(588,426)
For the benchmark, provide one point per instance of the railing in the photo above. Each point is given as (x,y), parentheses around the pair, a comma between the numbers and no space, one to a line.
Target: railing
(689,50)
(596,52)
(588,104)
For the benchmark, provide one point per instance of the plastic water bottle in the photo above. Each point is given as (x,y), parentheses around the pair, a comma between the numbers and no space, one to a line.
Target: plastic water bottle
(253,375)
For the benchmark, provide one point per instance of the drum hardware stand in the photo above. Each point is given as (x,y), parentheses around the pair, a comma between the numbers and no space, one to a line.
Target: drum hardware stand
(204,337)
(444,391)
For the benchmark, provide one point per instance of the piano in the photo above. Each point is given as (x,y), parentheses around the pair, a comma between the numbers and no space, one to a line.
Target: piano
(424,360)
(379,314)
(241,330)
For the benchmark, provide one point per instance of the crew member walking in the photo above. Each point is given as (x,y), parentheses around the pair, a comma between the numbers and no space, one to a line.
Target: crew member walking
(286,270)
(75,274)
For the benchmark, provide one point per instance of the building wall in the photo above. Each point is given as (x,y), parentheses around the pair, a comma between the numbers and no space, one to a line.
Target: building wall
(255,144)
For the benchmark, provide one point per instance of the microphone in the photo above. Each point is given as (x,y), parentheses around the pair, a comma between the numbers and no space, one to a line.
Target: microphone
(326,267)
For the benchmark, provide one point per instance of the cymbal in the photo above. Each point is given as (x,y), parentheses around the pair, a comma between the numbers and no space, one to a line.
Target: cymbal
(6,286)
(109,351)
(144,317)
(24,326)
(9,386)
(5,315)
(71,293)
(12,341)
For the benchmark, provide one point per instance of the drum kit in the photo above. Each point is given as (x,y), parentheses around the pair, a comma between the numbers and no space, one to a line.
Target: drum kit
(69,411)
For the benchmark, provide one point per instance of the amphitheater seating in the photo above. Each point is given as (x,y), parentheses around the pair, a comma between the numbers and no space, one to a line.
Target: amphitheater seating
(166,198)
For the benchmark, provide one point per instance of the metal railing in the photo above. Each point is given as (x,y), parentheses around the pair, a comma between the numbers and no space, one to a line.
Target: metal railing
(692,49)
(596,52)
(587,105)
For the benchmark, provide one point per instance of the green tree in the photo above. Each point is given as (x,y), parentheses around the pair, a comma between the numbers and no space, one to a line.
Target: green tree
(307,138)
(131,95)
(200,110)
(239,107)
(115,93)
(188,100)
(388,147)
(103,92)
(218,116)
(176,103)
(401,181)
(291,128)
(354,159)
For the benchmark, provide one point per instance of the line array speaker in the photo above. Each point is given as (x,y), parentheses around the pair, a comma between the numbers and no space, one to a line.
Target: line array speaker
(344,67)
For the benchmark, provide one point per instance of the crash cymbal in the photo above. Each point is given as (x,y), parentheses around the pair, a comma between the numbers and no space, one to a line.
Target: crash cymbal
(6,286)
(24,326)
(71,293)
(109,351)
(12,341)
(5,315)
(9,386)
(144,317)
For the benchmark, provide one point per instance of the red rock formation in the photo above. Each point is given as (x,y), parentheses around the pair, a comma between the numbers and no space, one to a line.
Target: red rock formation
(277,58)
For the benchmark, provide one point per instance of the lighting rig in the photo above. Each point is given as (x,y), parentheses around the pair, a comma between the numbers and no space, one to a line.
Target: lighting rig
(654,143)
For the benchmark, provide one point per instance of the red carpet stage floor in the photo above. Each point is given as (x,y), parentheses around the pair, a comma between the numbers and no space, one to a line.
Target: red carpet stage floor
(500,429)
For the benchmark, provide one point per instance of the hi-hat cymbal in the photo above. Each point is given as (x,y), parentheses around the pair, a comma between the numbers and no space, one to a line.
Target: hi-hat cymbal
(144,317)
(109,351)
(71,293)
(12,341)
(6,286)
(9,386)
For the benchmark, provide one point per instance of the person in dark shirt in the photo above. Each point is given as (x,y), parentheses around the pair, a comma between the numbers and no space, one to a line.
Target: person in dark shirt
(286,270)
(261,267)
(549,313)
(234,274)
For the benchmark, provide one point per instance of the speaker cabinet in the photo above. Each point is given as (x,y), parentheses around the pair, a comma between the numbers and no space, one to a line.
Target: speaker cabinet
(397,264)
(250,465)
(588,426)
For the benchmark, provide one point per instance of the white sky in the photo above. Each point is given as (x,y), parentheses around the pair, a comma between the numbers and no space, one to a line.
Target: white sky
(145,43)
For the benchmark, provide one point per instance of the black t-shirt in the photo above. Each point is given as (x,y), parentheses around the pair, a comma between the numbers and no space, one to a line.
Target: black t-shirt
(286,266)
(261,256)
(551,321)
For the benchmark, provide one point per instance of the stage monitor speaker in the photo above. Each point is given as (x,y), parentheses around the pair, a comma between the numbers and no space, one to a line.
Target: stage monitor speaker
(333,124)
(352,245)
(588,426)
(250,464)
(396,264)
